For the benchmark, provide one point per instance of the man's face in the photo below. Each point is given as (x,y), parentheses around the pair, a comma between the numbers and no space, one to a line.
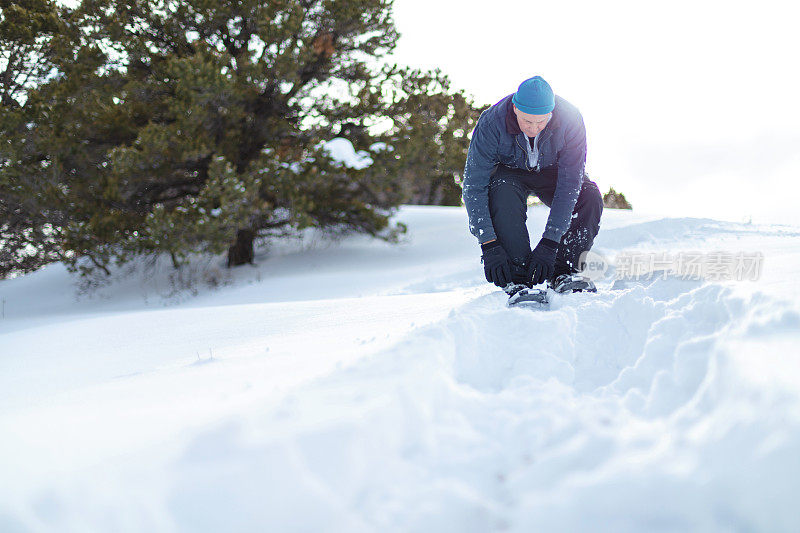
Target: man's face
(531,125)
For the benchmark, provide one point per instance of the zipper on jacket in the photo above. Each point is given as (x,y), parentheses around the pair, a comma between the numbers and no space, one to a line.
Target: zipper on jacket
(538,152)
(524,151)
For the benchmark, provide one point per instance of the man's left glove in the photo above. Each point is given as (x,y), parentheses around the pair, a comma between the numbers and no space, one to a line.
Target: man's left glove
(496,264)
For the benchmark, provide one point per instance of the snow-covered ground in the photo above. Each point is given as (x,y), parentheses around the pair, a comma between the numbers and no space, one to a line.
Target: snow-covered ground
(363,386)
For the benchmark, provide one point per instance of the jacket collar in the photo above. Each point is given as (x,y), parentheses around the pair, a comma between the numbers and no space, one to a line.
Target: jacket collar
(512,126)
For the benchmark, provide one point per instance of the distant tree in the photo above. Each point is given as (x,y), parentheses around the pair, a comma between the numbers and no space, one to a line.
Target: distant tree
(534,200)
(177,127)
(615,200)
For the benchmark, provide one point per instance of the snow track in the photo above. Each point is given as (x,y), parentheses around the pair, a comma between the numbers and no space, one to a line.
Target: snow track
(510,420)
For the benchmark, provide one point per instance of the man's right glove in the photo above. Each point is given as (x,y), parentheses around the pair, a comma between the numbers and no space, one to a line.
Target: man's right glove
(496,264)
(541,261)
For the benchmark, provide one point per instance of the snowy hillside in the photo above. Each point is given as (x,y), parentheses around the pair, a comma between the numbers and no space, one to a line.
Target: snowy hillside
(361,386)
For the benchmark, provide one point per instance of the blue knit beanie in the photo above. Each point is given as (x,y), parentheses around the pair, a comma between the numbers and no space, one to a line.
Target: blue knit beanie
(534,97)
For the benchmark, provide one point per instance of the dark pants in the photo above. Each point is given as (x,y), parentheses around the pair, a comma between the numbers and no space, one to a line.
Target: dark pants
(508,204)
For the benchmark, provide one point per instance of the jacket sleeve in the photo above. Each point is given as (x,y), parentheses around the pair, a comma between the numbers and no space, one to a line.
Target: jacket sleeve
(571,165)
(481,160)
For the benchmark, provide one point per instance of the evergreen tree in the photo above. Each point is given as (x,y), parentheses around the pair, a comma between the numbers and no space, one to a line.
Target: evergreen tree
(27,237)
(427,143)
(155,126)
(615,200)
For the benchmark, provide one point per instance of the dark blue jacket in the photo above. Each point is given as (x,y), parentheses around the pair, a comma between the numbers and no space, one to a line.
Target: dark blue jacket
(497,140)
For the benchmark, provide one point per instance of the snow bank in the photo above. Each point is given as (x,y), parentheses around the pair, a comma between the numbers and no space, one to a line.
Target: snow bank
(519,421)
(370,387)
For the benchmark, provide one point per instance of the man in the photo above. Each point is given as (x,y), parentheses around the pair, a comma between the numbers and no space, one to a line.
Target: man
(532,141)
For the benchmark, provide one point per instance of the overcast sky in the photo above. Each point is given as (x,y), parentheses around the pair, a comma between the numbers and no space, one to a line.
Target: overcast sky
(691,107)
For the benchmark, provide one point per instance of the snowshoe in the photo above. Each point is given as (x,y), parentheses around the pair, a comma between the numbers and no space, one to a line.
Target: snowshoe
(522,295)
(566,283)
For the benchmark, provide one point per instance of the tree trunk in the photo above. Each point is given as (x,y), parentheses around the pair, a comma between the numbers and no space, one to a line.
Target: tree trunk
(241,251)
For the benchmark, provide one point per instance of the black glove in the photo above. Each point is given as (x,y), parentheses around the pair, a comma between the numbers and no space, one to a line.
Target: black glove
(541,261)
(496,264)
